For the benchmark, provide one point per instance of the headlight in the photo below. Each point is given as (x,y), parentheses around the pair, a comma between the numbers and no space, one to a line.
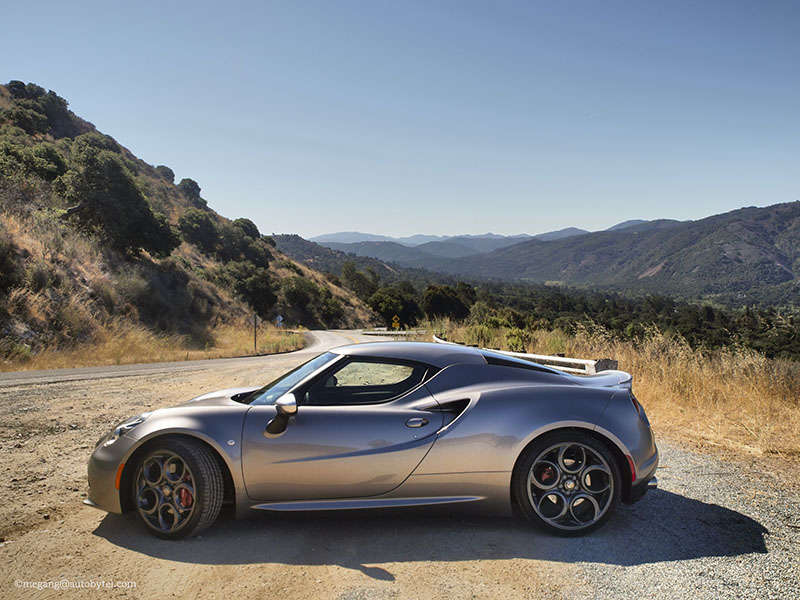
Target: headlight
(122,429)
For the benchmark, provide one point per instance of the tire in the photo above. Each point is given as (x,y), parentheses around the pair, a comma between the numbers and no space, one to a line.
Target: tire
(563,496)
(172,501)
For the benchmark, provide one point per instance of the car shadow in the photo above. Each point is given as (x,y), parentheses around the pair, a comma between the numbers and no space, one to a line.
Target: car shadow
(661,527)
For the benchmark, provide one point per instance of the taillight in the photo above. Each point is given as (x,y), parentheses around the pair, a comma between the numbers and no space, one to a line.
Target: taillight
(636,406)
(633,468)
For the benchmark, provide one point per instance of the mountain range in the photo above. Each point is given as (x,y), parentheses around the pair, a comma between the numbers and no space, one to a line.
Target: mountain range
(355,237)
(743,256)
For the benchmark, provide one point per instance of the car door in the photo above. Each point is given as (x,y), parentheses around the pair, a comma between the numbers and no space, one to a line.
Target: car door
(360,429)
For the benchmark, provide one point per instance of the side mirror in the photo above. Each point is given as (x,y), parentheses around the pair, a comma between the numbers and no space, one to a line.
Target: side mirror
(286,406)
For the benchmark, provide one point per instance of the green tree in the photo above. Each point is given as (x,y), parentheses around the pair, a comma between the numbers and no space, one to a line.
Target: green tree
(300,292)
(107,202)
(253,285)
(198,228)
(43,160)
(166,173)
(443,301)
(191,191)
(395,300)
(363,286)
(29,120)
(248,227)
(467,293)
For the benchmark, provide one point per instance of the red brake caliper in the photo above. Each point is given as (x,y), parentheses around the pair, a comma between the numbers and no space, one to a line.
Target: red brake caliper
(186,498)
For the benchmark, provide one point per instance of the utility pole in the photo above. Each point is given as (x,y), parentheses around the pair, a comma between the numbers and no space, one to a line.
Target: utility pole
(255,334)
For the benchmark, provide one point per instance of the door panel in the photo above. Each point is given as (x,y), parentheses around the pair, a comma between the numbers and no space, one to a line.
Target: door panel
(336,451)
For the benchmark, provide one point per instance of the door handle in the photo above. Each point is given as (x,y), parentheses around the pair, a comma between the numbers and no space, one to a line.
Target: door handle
(416,422)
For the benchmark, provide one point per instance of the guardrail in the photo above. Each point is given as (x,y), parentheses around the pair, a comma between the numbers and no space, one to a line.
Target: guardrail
(579,366)
(399,333)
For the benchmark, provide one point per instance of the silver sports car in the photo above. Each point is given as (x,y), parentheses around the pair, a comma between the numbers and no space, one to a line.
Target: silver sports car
(387,424)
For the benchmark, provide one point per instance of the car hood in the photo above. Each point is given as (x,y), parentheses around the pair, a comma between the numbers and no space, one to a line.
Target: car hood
(219,396)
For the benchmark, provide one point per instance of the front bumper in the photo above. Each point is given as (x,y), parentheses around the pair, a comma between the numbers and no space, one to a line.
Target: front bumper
(105,466)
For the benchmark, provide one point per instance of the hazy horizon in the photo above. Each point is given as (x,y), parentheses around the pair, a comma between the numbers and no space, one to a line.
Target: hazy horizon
(454,118)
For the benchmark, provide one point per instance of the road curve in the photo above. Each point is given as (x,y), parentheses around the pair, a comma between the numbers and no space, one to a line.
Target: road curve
(316,342)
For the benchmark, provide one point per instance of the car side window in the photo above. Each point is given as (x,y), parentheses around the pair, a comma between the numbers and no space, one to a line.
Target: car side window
(360,381)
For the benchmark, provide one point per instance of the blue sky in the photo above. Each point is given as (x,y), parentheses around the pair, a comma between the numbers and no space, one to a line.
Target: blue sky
(436,117)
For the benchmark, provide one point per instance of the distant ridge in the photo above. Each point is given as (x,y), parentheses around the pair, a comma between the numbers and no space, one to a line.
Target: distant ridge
(750,255)
(626,224)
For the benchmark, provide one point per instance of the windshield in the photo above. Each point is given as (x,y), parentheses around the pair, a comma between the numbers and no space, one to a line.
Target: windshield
(272,391)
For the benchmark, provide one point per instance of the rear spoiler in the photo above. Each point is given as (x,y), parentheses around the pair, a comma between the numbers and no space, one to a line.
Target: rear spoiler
(615,379)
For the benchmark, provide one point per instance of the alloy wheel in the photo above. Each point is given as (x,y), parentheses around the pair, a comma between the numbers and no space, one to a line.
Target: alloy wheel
(570,486)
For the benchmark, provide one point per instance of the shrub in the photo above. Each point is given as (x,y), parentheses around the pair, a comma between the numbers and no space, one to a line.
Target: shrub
(165,173)
(248,227)
(518,339)
(132,288)
(41,275)
(10,271)
(299,292)
(331,310)
(198,228)
(103,291)
(29,120)
(363,285)
(252,284)
(73,321)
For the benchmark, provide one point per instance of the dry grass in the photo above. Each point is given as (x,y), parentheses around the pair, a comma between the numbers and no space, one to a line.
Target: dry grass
(124,343)
(731,399)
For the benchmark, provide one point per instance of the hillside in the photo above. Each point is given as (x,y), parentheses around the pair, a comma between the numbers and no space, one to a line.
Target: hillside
(333,262)
(428,254)
(743,256)
(746,256)
(94,240)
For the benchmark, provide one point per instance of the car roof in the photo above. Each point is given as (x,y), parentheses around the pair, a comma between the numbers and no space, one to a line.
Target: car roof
(437,355)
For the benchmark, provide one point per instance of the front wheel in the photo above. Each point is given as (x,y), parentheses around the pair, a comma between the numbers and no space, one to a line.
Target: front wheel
(568,483)
(178,488)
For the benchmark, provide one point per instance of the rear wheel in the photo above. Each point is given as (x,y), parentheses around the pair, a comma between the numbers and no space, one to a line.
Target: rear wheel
(178,488)
(567,482)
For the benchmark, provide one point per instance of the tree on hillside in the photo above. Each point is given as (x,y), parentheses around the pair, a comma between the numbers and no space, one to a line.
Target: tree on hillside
(107,202)
(191,191)
(300,292)
(363,285)
(443,301)
(397,300)
(253,285)
(198,228)
(95,139)
(38,111)
(42,160)
(166,173)
(467,293)
(248,227)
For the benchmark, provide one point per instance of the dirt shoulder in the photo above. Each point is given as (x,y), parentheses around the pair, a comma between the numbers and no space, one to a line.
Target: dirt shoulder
(48,431)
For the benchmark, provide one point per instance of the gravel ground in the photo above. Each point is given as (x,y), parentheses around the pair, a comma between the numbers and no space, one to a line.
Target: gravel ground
(715,529)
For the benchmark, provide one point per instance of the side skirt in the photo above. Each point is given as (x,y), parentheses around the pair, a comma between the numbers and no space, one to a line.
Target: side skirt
(356,503)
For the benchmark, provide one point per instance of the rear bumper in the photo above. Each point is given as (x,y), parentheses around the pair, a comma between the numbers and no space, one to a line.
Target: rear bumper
(638,490)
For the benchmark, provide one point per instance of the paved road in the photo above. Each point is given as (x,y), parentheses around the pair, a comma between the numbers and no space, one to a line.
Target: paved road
(317,341)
